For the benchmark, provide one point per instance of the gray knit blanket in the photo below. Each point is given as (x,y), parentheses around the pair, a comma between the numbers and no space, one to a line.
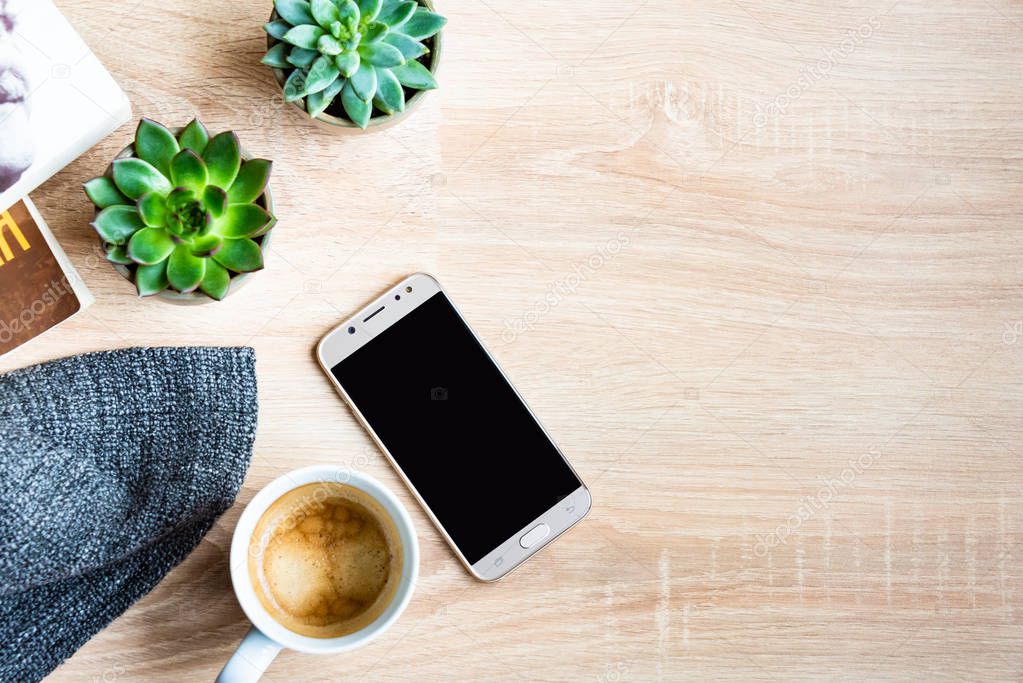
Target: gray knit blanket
(113,466)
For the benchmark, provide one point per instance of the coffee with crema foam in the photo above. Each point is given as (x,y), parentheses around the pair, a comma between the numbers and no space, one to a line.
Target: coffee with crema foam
(325,560)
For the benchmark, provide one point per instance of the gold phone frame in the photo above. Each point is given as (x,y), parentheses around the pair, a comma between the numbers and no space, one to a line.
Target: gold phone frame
(378,316)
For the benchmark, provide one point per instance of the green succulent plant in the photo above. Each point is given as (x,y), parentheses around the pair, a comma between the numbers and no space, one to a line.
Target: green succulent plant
(366,52)
(183,211)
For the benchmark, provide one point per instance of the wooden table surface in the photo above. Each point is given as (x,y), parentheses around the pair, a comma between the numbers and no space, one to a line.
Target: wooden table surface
(758,267)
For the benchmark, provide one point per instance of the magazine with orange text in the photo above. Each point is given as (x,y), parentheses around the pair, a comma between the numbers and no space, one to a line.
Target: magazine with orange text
(39,288)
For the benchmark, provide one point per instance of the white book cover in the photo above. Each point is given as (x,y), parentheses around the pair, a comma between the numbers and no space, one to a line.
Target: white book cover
(56,99)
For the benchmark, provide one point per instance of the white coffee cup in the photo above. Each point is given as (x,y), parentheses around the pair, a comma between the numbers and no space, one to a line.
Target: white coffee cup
(267,636)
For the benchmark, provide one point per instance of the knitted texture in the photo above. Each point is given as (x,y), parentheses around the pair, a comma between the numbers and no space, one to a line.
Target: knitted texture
(113,466)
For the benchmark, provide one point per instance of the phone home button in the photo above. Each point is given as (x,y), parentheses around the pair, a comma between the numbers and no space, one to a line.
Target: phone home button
(534,536)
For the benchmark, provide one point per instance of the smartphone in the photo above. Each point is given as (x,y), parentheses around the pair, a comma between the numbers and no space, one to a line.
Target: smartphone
(437,404)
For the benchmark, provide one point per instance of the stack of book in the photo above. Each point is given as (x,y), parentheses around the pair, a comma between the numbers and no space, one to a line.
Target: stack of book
(56,101)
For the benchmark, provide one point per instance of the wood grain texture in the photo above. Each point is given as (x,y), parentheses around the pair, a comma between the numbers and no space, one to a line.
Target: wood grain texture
(723,248)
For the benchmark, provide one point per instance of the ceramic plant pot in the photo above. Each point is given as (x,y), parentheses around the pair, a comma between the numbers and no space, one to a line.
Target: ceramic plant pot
(379,120)
(238,280)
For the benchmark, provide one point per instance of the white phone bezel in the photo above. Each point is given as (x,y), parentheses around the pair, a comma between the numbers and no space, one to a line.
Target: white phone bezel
(372,320)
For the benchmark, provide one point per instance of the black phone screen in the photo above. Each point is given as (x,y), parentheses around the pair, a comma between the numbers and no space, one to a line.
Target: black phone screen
(456,427)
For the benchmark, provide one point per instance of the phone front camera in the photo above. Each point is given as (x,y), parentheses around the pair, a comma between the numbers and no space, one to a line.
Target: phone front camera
(351,330)
(397,297)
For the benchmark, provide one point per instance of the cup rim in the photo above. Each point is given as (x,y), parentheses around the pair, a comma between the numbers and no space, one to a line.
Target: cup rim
(289,481)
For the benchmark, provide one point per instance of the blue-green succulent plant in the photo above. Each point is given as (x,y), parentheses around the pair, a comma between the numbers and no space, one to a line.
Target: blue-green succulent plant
(184,212)
(364,54)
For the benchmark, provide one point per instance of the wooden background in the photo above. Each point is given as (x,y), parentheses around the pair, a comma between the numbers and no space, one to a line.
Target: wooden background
(723,248)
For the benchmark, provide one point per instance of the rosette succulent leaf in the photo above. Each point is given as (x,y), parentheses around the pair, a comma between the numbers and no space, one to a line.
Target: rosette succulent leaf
(365,53)
(184,210)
